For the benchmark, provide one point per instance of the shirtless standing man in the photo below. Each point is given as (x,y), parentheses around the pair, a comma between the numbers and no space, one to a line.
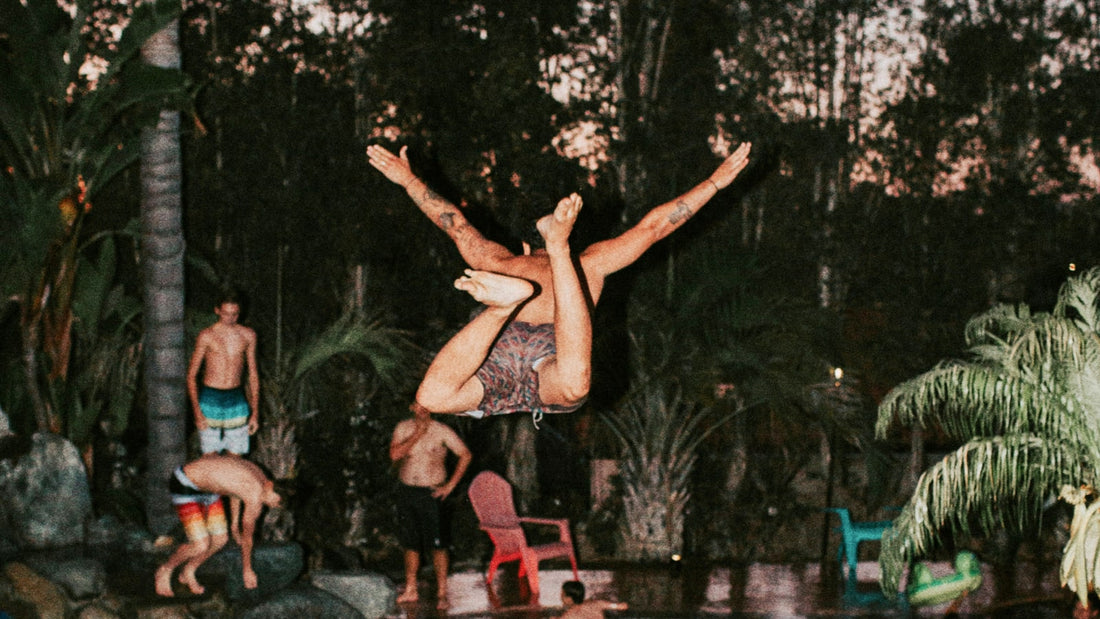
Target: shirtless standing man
(197,488)
(530,350)
(225,415)
(420,446)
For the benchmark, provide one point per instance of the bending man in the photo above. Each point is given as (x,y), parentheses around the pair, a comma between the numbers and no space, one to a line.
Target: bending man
(197,488)
(535,301)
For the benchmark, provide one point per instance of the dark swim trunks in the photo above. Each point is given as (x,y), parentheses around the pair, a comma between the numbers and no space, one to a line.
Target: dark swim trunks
(509,375)
(420,519)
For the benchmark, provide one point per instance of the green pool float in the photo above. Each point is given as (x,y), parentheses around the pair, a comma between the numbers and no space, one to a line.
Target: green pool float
(929,591)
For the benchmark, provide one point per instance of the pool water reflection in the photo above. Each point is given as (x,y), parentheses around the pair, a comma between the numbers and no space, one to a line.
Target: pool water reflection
(757,590)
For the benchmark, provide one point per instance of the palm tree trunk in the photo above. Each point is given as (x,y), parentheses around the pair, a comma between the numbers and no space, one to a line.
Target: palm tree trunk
(42,413)
(162,251)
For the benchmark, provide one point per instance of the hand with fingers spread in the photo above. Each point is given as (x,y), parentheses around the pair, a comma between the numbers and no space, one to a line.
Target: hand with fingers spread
(394,167)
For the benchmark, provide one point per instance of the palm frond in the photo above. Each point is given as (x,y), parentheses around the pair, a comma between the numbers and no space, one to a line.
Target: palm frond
(1081,294)
(986,484)
(968,400)
(388,351)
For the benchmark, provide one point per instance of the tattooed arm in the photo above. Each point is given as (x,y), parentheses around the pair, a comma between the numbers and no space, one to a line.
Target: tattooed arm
(606,257)
(478,251)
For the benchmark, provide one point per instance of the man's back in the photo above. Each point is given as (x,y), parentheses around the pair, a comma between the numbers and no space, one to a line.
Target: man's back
(591,609)
(227,474)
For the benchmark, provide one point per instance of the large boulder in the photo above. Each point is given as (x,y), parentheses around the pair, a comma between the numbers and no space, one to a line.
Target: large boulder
(276,566)
(81,577)
(29,587)
(299,601)
(371,594)
(45,501)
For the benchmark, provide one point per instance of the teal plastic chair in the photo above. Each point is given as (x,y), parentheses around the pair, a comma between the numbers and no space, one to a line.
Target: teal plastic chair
(852,533)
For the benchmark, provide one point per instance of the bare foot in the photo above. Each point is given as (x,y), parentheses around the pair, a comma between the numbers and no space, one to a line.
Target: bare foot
(408,596)
(555,228)
(494,289)
(443,603)
(163,581)
(188,578)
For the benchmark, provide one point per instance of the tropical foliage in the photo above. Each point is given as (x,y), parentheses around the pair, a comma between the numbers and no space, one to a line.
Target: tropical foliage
(1026,409)
(359,349)
(659,432)
(64,135)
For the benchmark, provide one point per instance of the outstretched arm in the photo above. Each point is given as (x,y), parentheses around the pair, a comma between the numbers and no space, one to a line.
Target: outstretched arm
(608,256)
(478,252)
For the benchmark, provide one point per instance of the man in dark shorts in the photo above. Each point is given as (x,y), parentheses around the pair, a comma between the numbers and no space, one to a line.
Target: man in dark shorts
(540,289)
(197,489)
(420,446)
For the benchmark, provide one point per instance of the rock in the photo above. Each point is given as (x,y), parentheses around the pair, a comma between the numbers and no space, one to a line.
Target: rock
(47,598)
(44,496)
(82,578)
(178,608)
(276,566)
(299,601)
(371,594)
(104,531)
(98,610)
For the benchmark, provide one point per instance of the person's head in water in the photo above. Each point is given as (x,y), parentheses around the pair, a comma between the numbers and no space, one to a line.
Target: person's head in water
(572,592)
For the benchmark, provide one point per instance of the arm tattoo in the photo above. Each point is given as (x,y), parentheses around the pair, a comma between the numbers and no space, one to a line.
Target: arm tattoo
(447,220)
(430,195)
(427,197)
(680,214)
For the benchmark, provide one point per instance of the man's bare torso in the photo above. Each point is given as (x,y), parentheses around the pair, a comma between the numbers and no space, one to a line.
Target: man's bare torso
(425,464)
(224,355)
(536,269)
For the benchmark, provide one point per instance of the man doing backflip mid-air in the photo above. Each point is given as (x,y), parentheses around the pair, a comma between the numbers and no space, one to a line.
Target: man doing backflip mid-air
(536,359)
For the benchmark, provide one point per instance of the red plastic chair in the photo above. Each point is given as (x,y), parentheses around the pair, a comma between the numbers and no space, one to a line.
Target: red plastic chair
(491,497)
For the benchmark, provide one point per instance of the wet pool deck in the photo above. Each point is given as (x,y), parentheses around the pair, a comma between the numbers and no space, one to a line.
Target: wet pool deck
(758,590)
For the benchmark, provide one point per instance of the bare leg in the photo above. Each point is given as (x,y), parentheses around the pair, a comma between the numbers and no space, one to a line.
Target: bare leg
(187,574)
(163,580)
(449,385)
(439,562)
(235,518)
(184,553)
(565,379)
(412,566)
